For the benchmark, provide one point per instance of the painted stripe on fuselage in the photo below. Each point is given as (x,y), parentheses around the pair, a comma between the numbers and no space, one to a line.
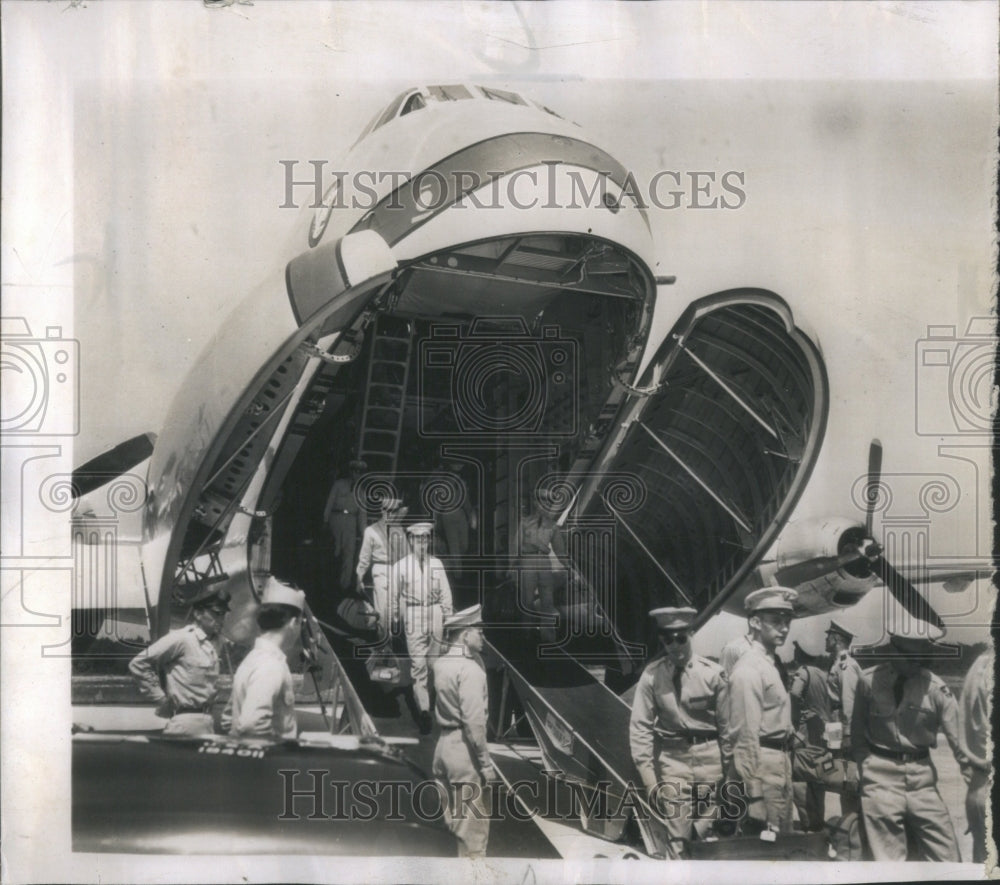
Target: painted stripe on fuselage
(399,213)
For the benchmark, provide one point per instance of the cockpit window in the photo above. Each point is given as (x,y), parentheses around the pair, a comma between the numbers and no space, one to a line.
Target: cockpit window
(502,95)
(414,103)
(549,111)
(450,93)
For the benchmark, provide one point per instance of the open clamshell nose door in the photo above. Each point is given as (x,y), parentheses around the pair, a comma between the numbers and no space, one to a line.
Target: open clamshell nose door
(232,411)
(717,441)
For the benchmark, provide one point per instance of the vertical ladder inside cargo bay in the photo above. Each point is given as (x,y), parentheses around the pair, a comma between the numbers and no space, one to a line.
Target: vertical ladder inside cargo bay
(385,393)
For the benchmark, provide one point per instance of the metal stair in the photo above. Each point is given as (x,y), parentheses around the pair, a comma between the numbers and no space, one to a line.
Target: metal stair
(385,393)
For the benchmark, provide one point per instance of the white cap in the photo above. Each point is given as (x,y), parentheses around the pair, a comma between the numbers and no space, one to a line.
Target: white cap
(279,593)
(420,529)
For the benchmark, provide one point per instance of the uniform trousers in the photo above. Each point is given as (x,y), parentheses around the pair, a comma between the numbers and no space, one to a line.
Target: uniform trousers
(975,810)
(344,528)
(466,807)
(775,776)
(421,624)
(895,794)
(679,767)
(189,724)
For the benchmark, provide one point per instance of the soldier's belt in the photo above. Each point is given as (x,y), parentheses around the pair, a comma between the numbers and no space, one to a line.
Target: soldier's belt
(900,755)
(691,738)
(203,708)
(783,744)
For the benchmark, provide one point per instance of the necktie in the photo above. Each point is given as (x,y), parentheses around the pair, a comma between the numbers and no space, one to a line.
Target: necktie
(897,689)
(782,671)
(677,683)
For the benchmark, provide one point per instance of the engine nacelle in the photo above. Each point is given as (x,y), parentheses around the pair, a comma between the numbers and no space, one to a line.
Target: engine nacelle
(811,539)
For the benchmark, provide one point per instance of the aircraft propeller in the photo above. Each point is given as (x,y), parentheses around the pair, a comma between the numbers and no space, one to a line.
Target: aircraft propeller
(902,590)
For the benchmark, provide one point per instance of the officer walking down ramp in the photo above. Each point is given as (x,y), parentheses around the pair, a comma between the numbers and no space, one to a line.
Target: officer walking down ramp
(423,596)
(382,545)
(262,703)
(180,671)
(760,713)
(676,725)
(462,758)
(899,710)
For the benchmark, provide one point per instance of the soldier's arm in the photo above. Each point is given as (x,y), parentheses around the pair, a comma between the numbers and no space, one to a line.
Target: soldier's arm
(974,708)
(472,704)
(746,701)
(948,711)
(145,666)
(640,730)
(721,686)
(365,556)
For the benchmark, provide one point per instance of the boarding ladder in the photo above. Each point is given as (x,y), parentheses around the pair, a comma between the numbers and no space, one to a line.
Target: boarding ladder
(385,393)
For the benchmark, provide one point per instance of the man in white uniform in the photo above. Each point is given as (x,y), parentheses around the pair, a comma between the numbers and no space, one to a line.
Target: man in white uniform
(422,599)
(382,545)
(262,703)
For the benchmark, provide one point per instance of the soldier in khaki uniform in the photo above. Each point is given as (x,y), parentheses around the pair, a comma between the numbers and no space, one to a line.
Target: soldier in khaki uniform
(677,723)
(899,709)
(760,712)
(462,758)
(345,519)
(180,671)
(842,686)
(733,650)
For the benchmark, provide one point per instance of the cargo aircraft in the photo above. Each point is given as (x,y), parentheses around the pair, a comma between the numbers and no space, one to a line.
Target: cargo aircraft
(486,300)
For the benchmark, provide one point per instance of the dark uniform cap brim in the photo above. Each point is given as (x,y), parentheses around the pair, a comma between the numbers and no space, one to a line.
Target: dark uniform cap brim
(216,597)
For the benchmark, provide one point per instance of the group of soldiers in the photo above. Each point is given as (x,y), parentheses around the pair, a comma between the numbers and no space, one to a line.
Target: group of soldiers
(180,672)
(695,721)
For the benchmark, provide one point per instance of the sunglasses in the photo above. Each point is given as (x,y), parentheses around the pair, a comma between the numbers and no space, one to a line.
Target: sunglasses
(669,637)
